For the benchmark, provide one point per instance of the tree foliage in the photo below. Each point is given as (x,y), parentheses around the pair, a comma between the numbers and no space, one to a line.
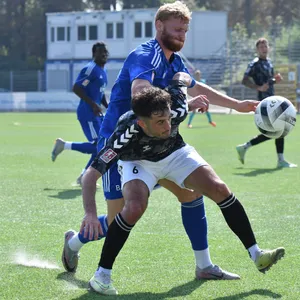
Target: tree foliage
(23,22)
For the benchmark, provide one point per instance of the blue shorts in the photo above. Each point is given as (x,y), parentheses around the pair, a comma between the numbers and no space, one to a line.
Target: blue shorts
(91,128)
(111,180)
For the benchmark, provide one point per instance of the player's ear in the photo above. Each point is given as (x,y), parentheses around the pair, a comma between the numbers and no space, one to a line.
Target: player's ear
(141,123)
(159,26)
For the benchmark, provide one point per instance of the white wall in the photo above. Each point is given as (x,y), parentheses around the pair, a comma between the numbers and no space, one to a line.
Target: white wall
(38,101)
(208,32)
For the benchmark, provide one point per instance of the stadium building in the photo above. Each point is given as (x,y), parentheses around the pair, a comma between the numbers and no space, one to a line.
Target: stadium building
(70,37)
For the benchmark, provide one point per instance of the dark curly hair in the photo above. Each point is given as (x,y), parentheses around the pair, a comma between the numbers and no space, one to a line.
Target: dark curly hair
(151,100)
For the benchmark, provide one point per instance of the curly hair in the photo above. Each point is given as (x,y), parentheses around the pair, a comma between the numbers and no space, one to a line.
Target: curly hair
(151,100)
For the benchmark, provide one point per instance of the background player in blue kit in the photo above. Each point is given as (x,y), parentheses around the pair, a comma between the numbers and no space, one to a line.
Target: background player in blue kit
(90,88)
(261,71)
(155,63)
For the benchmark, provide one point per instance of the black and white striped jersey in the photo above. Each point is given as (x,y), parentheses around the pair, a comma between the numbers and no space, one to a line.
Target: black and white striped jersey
(129,142)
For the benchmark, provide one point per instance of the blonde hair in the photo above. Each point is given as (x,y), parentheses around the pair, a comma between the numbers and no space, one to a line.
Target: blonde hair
(176,9)
(261,41)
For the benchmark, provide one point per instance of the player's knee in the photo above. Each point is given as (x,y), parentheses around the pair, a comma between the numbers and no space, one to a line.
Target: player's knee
(221,189)
(188,196)
(134,209)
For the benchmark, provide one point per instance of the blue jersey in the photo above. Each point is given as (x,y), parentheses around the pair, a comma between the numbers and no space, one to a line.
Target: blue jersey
(146,62)
(93,79)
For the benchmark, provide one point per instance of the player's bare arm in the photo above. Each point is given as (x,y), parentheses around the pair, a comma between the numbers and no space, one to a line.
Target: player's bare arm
(139,84)
(250,84)
(90,224)
(82,95)
(104,101)
(200,102)
(217,98)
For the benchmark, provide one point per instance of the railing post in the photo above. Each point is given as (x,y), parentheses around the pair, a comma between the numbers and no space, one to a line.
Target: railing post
(11,81)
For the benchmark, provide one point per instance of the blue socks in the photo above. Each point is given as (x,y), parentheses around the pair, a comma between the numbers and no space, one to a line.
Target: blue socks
(87,147)
(103,221)
(195,223)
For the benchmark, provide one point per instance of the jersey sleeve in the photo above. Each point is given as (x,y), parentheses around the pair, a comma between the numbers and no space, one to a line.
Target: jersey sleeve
(118,142)
(142,67)
(85,76)
(250,69)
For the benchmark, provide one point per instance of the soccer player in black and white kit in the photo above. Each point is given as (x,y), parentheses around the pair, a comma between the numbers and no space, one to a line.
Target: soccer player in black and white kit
(148,147)
(262,72)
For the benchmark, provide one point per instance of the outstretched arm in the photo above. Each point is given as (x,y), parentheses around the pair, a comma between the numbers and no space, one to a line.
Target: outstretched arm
(250,84)
(199,102)
(90,224)
(220,99)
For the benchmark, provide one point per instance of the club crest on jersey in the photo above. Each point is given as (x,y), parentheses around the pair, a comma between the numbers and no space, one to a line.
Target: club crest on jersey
(108,155)
(85,82)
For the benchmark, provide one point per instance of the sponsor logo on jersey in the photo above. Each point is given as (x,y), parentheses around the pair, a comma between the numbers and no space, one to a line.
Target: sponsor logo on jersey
(108,155)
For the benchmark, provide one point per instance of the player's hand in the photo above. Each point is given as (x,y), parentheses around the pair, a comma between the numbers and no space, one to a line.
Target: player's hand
(263,87)
(91,227)
(199,103)
(97,109)
(278,77)
(246,105)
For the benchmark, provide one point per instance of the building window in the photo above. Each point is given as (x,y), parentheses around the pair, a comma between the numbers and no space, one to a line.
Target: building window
(148,29)
(60,33)
(81,33)
(138,29)
(120,30)
(109,30)
(68,33)
(52,34)
(93,32)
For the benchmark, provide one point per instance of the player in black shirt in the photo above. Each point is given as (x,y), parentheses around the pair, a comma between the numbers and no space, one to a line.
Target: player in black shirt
(262,73)
(152,126)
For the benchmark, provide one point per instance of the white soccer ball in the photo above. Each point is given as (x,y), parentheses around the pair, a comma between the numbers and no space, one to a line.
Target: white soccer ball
(275,117)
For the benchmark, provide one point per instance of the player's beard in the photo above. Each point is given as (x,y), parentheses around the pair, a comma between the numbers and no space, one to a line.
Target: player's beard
(170,42)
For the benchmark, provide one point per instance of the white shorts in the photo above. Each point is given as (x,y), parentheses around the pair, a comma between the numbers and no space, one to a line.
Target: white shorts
(176,167)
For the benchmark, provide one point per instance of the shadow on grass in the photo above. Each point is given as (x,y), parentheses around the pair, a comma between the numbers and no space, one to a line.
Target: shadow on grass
(257,172)
(65,194)
(69,277)
(179,291)
(261,292)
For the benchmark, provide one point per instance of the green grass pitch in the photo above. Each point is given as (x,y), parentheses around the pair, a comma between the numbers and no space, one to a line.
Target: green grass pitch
(38,204)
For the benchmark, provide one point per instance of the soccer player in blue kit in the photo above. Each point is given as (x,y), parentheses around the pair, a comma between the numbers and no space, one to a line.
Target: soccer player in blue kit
(155,63)
(90,88)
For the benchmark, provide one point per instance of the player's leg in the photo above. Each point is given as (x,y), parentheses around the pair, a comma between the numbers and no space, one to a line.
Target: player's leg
(209,118)
(74,241)
(195,224)
(191,117)
(242,148)
(204,180)
(137,185)
(282,163)
(90,131)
